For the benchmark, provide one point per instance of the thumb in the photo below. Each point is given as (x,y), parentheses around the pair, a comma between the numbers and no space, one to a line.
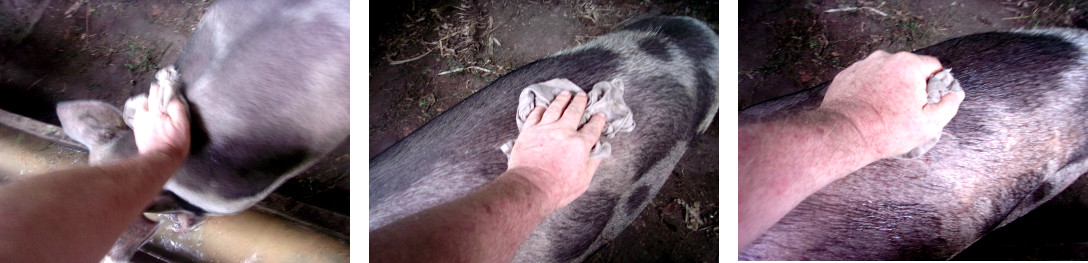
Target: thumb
(153,94)
(591,167)
(179,113)
(944,110)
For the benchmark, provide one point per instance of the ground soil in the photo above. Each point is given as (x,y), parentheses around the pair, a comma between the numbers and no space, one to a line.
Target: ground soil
(425,56)
(787,46)
(52,51)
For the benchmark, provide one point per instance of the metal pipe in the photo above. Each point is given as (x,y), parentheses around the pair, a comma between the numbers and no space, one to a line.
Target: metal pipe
(30,147)
(249,236)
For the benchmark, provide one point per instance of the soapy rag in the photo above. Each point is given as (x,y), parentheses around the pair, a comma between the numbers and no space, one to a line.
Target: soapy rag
(605,97)
(939,84)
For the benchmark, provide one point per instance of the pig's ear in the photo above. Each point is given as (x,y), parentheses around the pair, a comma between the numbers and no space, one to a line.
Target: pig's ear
(91,123)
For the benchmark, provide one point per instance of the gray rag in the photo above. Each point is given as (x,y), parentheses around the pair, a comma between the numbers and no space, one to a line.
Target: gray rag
(605,97)
(940,84)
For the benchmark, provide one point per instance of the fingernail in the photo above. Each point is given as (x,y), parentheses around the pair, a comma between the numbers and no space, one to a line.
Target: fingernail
(581,94)
(564,93)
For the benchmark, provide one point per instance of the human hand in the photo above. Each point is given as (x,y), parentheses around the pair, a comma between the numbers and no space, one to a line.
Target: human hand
(159,130)
(884,97)
(553,154)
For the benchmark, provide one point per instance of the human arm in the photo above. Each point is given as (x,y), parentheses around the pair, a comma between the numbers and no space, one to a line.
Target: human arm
(76,215)
(549,167)
(876,108)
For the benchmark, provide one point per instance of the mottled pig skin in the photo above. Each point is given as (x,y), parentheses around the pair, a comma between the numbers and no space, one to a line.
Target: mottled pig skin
(669,67)
(267,89)
(1017,141)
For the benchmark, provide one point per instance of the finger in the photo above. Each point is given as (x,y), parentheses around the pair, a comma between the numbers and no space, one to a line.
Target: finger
(573,114)
(944,110)
(591,167)
(555,110)
(179,115)
(153,97)
(141,104)
(920,66)
(929,64)
(592,129)
(875,57)
(534,116)
(877,54)
(917,70)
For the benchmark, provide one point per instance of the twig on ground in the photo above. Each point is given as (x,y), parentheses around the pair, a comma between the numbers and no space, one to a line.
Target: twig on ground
(87,22)
(35,83)
(75,6)
(856,8)
(462,69)
(398,62)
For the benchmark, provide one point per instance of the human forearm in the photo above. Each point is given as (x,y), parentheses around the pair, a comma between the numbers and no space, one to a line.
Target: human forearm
(485,226)
(781,163)
(76,215)
(549,167)
(873,109)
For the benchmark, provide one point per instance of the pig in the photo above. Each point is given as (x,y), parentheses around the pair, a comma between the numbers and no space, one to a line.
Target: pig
(1018,139)
(669,68)
(267,87)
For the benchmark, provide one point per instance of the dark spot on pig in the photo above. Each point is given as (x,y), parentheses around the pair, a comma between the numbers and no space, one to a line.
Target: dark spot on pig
(679,31)
(635,200)
(263,170)
(1040,194)
(583,225)
(1079,154)
(198,134)
(913,230)
(1006,199)
(584,68)
(655,47)
(238,176)
(703,79)
(682,113)
(649,155)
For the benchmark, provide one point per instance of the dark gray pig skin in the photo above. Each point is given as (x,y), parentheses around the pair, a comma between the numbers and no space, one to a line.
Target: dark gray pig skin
(1017,141)
(669,66)
(267,88)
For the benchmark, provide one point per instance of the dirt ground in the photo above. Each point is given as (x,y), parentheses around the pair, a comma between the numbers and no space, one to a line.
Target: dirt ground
(786,46)
(53,51)
(109,50)
(425,56)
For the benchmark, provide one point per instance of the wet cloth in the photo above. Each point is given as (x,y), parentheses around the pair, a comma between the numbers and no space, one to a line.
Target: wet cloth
(605,97)
(939,84)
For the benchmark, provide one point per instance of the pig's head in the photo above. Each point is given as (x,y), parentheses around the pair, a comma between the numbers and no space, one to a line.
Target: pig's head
(100,127)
